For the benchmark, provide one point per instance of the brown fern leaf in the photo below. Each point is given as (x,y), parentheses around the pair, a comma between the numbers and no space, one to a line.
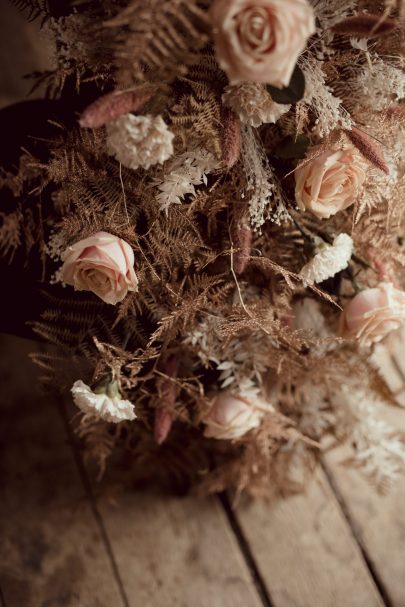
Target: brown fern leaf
(368,148)
(199,111)
(99,438)
(157,40)
(365,26)
(10,234)
(34,8)
(113,105)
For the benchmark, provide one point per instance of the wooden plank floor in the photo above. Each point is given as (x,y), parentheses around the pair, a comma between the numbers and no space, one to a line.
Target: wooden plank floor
(65,544)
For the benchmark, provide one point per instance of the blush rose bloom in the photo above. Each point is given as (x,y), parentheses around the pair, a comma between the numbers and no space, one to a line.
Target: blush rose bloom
(373,313)
(261,40)
(231,417)
(330,182)
(103,264)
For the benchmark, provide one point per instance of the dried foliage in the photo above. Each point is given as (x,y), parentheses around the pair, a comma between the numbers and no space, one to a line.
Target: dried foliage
(217,239)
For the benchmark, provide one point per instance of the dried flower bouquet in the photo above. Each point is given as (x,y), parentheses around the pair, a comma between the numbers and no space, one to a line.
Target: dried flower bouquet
(225,213)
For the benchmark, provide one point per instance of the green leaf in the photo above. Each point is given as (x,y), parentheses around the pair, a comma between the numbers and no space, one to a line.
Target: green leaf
(292,147)
(291,93)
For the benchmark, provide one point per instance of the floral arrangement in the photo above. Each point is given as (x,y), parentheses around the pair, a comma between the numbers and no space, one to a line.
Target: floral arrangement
(222,227)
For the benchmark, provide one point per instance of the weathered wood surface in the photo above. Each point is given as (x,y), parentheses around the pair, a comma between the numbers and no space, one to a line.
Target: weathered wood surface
(378,521)
(177,552)
(306,553)
(52,549)
(61,546)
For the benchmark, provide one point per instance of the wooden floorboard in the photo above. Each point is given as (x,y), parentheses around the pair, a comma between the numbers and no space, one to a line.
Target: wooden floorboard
(52,552)
(378,521)
(306,553)
(177,552)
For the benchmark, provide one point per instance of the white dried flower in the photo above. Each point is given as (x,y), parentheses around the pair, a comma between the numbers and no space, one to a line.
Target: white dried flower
(379,447)
(379,85)
(105,402)
(319,98)
(329,260)
(263,190)
(139,141)
(184,173)
(253,104)
(360,44)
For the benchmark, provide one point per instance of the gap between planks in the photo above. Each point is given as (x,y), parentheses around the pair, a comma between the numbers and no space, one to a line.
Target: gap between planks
(116,544)
(357,536)
(93,505)
(246,551)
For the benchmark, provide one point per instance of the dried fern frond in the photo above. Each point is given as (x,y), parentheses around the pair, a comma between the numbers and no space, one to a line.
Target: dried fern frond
(34,8)
(10,234)
(155,40)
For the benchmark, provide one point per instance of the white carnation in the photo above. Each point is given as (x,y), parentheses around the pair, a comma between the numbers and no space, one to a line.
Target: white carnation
(139,141)
(106,405)
(329,260)
(253,104)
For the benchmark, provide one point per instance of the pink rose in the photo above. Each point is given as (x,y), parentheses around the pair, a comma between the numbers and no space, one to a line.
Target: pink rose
(373,313)
(330,182)
(231,416)
(260,40)
(103,264)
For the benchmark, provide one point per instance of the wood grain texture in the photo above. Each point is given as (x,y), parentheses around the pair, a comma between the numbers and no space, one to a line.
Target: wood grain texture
(175,552)
(378,521)
(305,552)
(51,551)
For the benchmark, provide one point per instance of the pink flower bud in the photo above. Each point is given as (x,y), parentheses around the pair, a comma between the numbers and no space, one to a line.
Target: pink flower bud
(231,417)
(163,413)
(373,313)
(163,424)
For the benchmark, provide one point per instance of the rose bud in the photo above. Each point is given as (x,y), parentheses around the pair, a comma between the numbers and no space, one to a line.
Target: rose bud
(373,313)
(232,416)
